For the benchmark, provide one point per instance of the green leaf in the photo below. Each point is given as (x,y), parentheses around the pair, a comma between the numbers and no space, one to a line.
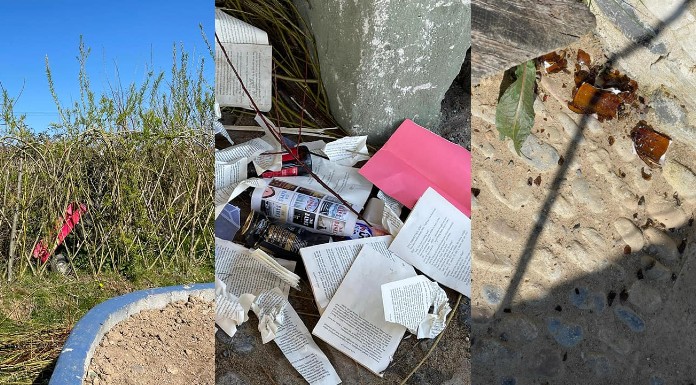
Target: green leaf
(514,116)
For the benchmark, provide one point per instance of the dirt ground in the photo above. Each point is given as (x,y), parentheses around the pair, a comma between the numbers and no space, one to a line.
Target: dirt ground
(169,346)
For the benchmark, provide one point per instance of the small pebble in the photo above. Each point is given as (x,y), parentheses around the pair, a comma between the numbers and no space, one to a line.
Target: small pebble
(630,233)
(567,335)
(681,178)
(630,318)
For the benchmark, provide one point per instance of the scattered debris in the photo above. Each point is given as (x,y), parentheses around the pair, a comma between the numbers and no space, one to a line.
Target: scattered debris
(599,90)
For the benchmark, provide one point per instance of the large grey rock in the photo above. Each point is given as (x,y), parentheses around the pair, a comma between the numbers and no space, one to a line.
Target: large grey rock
(386,60)
(624,17)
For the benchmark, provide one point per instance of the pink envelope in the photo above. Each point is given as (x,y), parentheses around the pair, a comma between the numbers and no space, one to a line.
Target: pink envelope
(414,159)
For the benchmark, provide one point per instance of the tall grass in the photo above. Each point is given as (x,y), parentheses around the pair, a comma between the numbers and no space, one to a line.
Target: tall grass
(139,157)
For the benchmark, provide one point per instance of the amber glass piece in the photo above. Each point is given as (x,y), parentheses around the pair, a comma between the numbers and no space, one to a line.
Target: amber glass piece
(584,58)
(650,145)
(554,62)
(591,100)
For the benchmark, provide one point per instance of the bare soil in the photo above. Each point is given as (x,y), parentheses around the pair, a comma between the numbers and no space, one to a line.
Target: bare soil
(174,345)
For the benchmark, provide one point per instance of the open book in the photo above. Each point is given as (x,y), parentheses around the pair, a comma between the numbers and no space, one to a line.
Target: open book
(252,56)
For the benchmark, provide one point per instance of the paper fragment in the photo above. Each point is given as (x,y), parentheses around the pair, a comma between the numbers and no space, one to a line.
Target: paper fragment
(278,321)
(436,239)
(406,302)
(347,151)
(230,311)
(286,275)
(269,307)
(250,150)
(218,128)
(272,162)
(390,202)
(232,191)
(252,56)
(327,264)
(227,174)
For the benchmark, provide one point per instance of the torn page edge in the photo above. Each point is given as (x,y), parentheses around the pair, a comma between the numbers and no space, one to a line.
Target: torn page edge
(230,192)
(230,311)
(406,302)
(278,321)
(286,275)
(347,151)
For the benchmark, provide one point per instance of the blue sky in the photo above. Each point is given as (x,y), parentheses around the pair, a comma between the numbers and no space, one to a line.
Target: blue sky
(128,35)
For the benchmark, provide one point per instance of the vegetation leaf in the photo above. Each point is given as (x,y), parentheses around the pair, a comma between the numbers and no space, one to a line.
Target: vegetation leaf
(514,115)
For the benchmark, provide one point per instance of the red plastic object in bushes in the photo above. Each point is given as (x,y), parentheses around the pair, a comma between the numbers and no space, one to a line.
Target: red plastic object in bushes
(66,224)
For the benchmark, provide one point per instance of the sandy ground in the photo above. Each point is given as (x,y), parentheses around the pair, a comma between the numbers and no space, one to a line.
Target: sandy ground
(169,346)
(595,297)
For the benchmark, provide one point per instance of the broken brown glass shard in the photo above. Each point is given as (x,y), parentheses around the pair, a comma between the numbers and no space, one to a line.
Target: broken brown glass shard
(584,58)
(553,62)
(649,144)
(591,100)
(620,84)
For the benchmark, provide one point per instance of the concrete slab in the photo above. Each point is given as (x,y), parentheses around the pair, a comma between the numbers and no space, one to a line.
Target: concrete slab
(85,337)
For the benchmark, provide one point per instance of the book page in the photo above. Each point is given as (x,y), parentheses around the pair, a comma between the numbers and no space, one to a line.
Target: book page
(232,30)
(248,49)
(354,323)
(436,239)
(328,263)
(407,302)
(227,174)
(254,64)
(242,273)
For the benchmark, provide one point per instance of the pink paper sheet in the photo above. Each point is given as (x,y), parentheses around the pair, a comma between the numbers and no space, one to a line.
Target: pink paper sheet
(414,159)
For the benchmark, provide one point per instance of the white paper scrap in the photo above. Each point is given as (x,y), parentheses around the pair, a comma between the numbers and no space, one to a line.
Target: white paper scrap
(274,161)
(391,221)
(249,149)
(406,302)
(230,311)
(353,323)
(218,128)
(436,239)
(390,202)
(347,151)
(227,174)
(328,263)
(243,273)
(281,323)
(232,191)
